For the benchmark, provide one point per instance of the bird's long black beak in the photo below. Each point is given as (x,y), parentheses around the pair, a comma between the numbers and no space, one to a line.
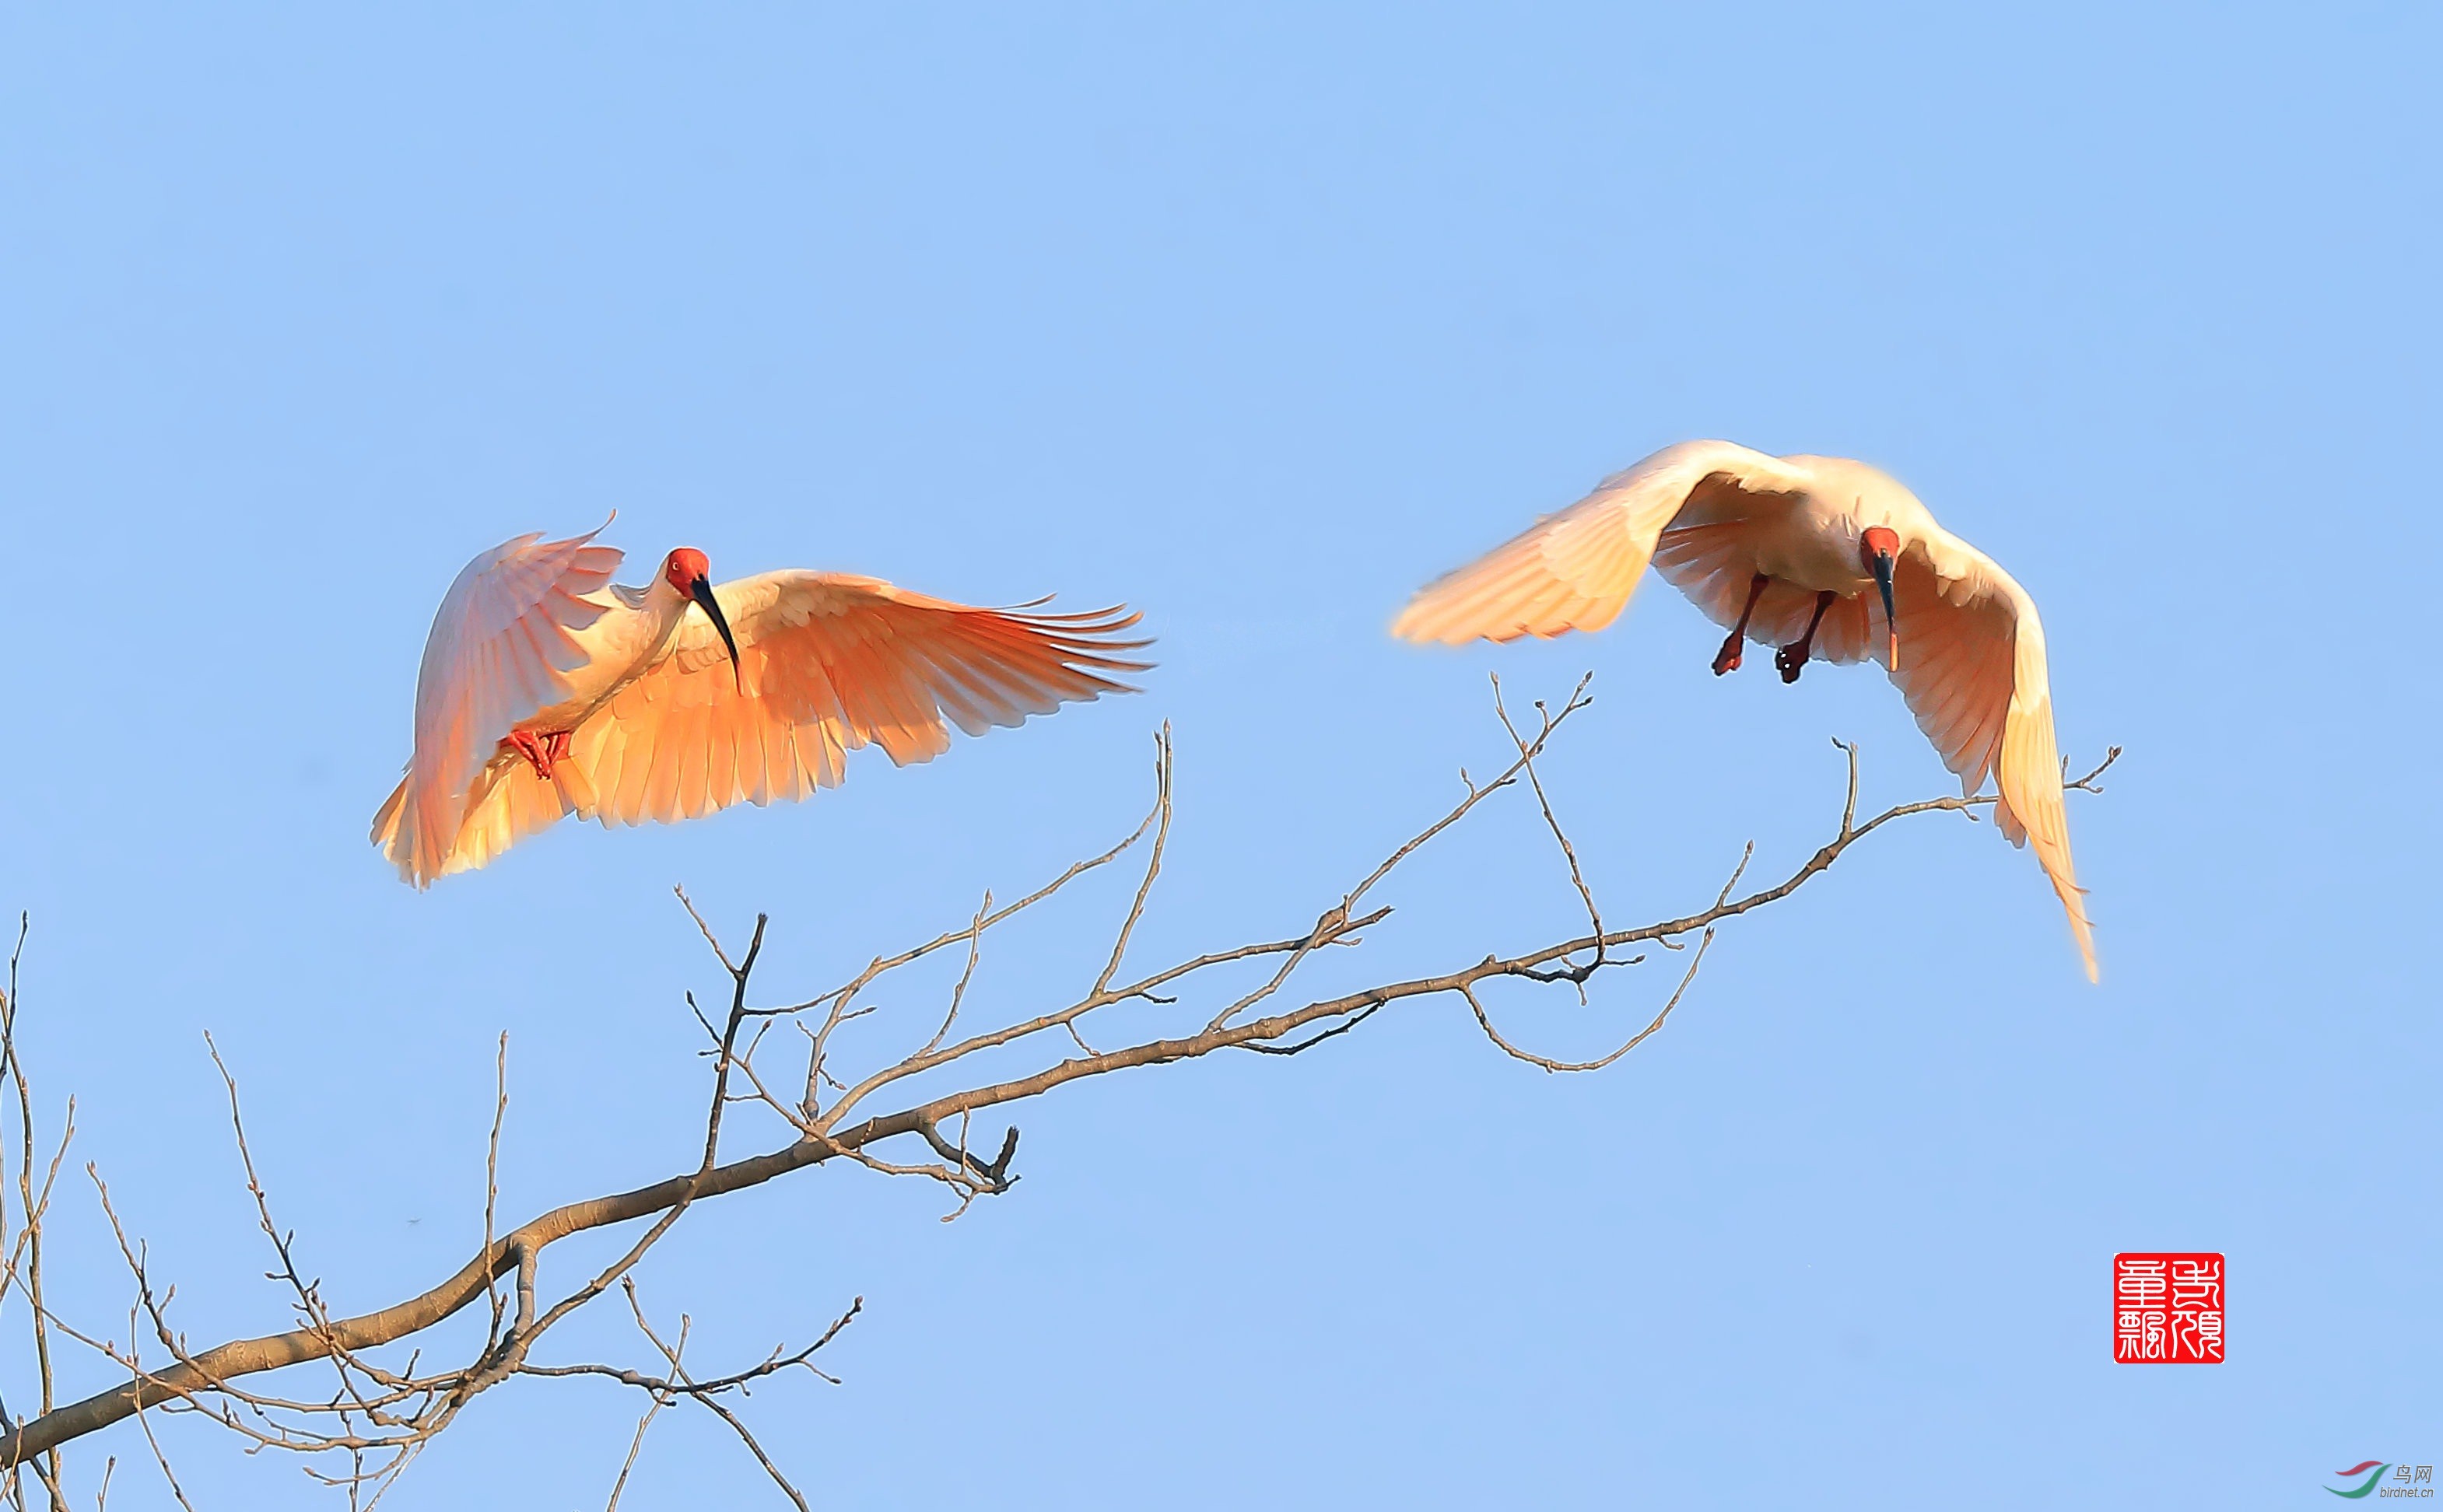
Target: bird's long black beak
(701,591)
(1882,563)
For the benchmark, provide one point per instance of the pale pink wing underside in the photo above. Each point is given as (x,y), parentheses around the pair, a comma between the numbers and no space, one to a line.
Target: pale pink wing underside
(1576,570)
(1714,564)
(506,803)
(499,647)
(829,663)
(1973,670)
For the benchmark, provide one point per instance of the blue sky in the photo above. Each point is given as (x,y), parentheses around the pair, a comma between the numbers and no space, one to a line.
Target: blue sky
(1256,321)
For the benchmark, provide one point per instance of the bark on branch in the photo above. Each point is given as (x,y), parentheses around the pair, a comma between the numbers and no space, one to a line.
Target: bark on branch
(842,1129)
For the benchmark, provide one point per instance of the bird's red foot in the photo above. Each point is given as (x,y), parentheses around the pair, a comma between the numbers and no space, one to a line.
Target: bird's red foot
(1793,657)
(1727,659)
(542,752)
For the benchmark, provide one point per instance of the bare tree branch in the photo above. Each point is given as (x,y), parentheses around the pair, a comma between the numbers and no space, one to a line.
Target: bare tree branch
(379,1417)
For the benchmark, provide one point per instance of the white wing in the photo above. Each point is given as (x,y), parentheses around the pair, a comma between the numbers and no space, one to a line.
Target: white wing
(829,663)
(1576,571)
(1973,670)
(499,647)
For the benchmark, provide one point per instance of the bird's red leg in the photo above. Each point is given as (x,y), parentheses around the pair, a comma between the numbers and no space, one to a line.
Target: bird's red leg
(542,752)
(1793,656)
(1727,659)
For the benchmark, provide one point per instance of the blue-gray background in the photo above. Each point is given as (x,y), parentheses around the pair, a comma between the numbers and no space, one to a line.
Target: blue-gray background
(1256,321)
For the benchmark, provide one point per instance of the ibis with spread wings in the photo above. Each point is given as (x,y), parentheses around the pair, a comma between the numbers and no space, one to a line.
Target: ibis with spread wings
(1825,558)
(546,690)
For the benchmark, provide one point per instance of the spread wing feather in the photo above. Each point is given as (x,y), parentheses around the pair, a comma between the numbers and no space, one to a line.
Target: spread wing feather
(499,647)
(829,663)
(1576,570)
(1973,670)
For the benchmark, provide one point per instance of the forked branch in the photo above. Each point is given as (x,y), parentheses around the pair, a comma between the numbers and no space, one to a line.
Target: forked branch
(1231,997)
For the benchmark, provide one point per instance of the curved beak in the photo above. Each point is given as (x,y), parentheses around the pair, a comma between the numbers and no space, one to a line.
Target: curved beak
(701,591)
(1882,563)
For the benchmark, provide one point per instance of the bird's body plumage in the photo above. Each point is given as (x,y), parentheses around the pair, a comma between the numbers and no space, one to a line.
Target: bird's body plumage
(658,723)
(1753,540)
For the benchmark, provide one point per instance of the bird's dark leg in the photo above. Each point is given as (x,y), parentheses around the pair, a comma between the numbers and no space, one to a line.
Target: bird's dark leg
(1793,656)
(1727,659)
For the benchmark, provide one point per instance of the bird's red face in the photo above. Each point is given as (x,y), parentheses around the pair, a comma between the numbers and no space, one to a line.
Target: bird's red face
(687,570)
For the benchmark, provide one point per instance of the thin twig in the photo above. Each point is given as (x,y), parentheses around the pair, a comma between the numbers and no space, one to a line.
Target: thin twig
(380,1419)
(492,1171)
(1161,768)
(1575,976)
